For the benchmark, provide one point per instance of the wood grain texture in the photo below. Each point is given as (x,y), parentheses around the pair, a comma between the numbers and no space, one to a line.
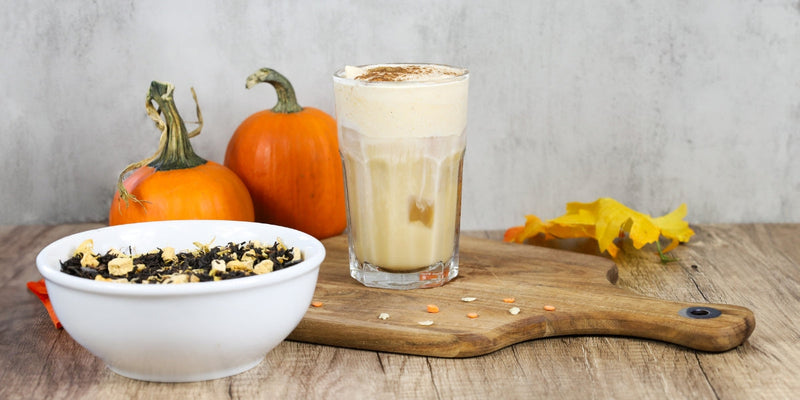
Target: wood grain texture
(753,265)
(579,286)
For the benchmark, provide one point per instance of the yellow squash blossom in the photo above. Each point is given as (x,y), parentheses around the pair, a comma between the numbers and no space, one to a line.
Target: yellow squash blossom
(604,220)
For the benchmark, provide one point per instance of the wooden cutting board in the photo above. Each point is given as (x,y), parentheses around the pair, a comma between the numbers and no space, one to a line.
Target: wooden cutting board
(579,286)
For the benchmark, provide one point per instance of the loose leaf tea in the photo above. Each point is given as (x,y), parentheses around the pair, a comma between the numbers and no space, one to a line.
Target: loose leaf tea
(165,265)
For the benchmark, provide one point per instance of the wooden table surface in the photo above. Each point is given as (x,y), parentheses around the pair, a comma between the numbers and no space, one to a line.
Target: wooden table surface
(755,265)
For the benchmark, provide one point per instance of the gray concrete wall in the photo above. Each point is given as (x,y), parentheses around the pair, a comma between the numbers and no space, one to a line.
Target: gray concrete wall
(654,103)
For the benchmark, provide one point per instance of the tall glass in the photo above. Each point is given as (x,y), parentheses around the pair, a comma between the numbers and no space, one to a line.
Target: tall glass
(402,136)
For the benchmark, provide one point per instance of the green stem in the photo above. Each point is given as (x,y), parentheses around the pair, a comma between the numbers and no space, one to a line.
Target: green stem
(287,101)
(177,152)
(664,257)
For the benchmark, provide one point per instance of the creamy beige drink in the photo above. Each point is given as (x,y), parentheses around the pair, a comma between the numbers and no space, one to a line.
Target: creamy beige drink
(402,139)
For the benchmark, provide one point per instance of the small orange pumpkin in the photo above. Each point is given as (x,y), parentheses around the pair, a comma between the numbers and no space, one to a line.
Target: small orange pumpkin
(288,157)
(176,183)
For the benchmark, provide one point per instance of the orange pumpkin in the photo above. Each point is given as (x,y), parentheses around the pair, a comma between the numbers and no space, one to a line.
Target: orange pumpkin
(288,157)
(177,183)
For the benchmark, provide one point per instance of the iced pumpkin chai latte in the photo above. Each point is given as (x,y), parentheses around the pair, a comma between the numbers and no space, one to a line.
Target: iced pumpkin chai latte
(402,140)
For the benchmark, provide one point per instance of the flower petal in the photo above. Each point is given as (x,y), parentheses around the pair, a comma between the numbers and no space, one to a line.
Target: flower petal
(673,226)
(533,226)
(604,220)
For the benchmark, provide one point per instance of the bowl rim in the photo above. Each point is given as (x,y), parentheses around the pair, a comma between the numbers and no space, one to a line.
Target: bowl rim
(53,274)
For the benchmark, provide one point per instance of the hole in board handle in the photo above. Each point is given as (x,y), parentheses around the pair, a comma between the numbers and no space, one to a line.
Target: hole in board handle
(700,312)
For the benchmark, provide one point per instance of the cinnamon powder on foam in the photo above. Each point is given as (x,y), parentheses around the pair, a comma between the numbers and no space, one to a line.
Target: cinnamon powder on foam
(401,73)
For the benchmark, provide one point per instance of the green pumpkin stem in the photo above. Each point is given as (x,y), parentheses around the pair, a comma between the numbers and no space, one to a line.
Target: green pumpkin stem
(178,152)
(174,149)
(287,101)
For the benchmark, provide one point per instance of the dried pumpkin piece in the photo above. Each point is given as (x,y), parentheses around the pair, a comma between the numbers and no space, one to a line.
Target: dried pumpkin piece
(86,247)
(249,254)
(117,252)
(217,266)
(120,266)
(89,260)
(168,254)
(236,265)
(263,267)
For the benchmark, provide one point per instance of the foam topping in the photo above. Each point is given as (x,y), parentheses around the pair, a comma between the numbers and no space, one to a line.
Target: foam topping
(401,72)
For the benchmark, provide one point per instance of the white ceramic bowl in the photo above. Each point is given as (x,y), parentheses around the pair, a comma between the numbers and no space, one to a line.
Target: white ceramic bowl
(185,332)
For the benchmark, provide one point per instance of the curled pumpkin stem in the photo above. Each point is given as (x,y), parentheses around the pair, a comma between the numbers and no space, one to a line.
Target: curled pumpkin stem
(155,114)
(287,101)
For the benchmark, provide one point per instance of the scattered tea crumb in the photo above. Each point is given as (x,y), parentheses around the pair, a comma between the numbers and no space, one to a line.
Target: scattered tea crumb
(316,304)
(513,310)
(425,323)
(472,315)
(509,300)
(432,308)
(468,299)
(549,308)
(383,316)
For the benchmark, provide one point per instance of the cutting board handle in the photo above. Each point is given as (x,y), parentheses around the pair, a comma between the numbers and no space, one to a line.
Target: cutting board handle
(706,327)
